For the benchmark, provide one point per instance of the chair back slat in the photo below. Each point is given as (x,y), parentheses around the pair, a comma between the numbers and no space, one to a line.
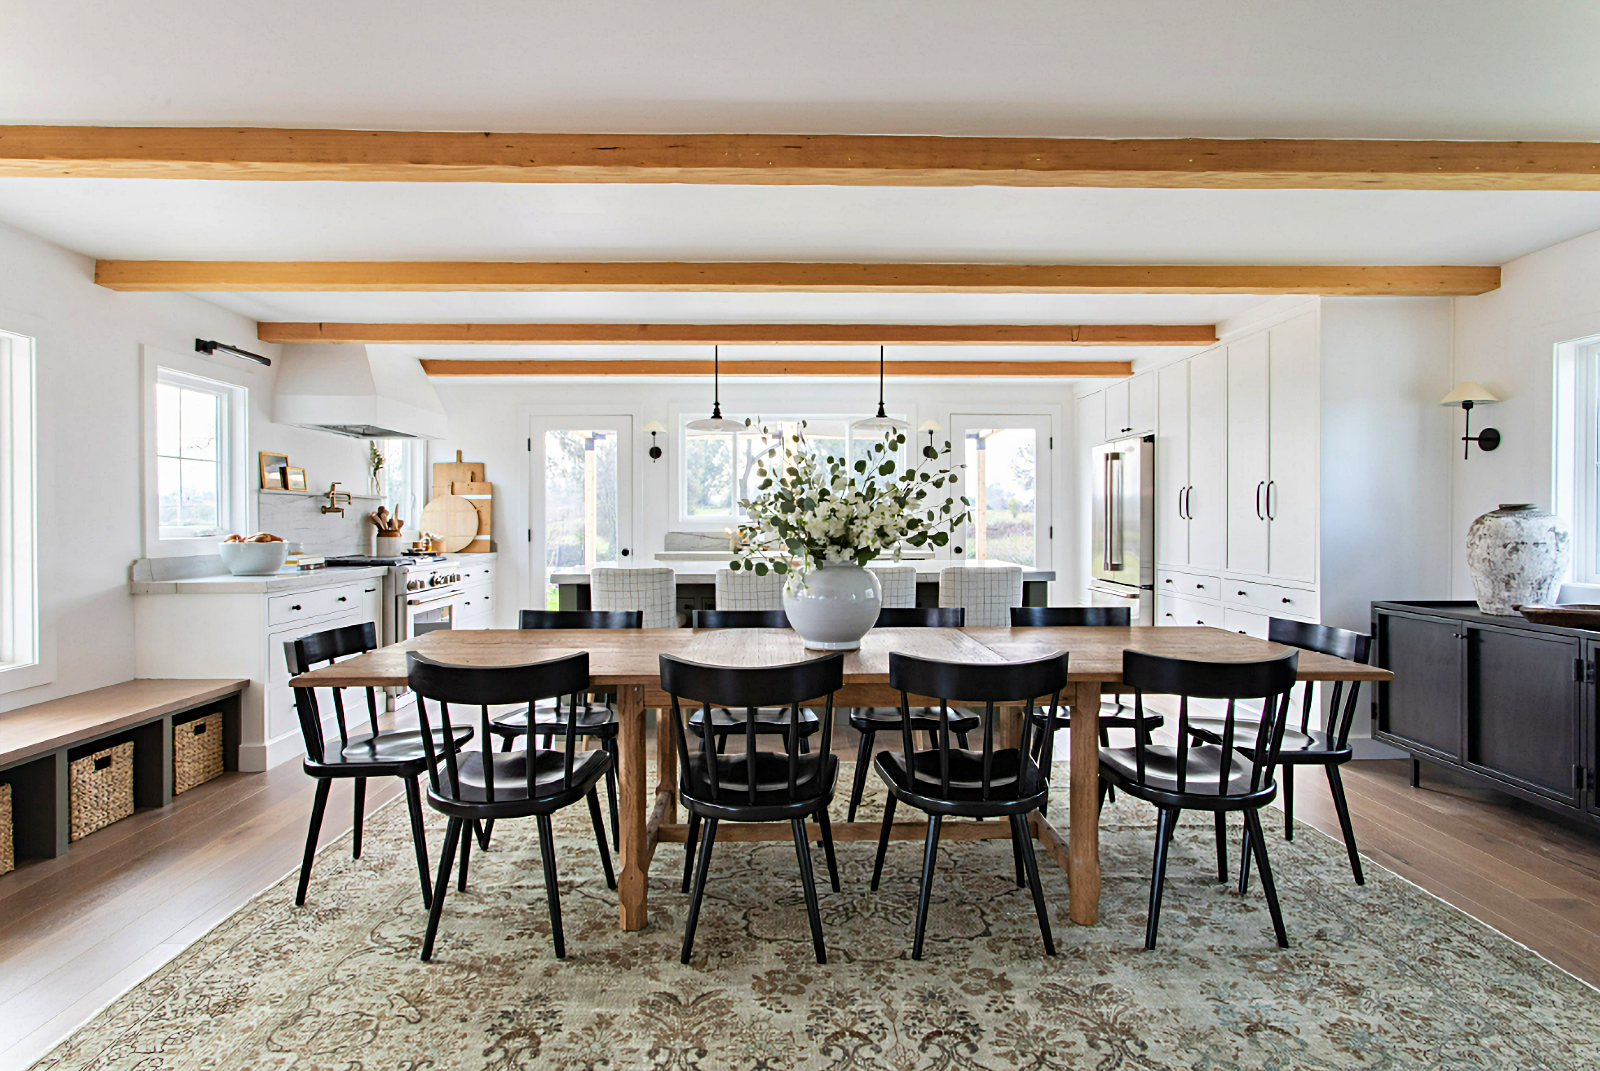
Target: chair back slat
(1339,643)
(740,619)
(538,619)
(921,617)
(994,685)
(311,652)
(1070,616)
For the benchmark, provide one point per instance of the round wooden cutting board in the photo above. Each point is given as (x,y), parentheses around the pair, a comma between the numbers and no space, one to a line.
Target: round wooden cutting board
(453,519)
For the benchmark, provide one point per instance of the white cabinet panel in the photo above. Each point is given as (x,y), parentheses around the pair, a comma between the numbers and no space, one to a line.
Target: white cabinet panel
(317,602)
(1172,463)
(1142,403)
(1245,622)
(1206,503)
(1294,482)
(1116,424)
(1247,454)
(1092,416)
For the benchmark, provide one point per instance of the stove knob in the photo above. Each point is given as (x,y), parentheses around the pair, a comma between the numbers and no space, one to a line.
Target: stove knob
(455,578)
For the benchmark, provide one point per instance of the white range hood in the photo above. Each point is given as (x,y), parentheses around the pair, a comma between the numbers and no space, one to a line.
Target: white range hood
(348,390)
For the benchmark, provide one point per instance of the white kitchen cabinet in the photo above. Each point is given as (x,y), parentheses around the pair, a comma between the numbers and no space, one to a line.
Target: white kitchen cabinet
(1172,464)
(1116,421)
(1142,404)
(1293,498)
(1092,418)
(1206,504)
(1247,454)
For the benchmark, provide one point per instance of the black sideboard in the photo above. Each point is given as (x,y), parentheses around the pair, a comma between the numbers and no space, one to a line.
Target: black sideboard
(1507,702)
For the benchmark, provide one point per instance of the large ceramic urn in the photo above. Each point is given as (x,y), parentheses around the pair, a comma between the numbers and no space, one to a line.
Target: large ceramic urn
(1518,555)
(833,606)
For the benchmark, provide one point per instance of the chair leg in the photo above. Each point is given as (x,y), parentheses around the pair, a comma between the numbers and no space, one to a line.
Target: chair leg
(1288,803)
(1020,834)
(552,891)
(930,854)
(361,806)
(484,829)
(452,834)
(701,867)
(883,840)
(466,855)
(505,742)
(1016,857)
(419,837)
(600,837)
(827,847)
(1245,850)
(961,738)
(1259,843)
(722,742)
(1165,820)
(688,853)
(1105,736)
(1222,847)
(1336,784)
(808,883)
(319,804)
(863,764)
(611,792)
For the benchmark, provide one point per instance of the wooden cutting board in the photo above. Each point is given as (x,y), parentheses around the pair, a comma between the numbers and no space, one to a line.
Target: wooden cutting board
(446,473)
(453,519)
(481,495)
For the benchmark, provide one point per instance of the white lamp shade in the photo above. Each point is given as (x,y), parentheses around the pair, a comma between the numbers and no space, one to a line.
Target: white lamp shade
(877,423)
(715,424)
(1476,393)
(654,427)
(931,425)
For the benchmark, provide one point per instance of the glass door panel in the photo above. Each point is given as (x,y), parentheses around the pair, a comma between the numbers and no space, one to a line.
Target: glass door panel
(1007,477)
(582,498)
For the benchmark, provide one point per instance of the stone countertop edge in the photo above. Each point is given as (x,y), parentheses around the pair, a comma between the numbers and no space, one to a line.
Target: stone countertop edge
(255,585)
(706,572)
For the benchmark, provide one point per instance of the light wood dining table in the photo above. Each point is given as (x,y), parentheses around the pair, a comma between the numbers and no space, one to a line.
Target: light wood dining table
(625,662)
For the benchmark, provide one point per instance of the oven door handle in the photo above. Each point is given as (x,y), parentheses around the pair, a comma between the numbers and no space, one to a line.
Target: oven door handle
(445,597)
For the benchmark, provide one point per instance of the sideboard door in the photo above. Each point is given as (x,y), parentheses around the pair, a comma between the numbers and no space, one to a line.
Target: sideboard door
(1524,692)
(1422,708)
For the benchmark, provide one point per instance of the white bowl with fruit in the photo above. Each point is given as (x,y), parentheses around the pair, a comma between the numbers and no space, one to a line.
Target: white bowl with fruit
(262,554)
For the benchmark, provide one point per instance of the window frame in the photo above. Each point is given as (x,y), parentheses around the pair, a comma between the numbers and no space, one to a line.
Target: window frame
(222,393)
(233,449)
(23,649)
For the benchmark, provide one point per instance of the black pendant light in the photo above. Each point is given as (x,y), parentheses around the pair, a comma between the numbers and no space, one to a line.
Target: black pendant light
(716,421)
(883,421)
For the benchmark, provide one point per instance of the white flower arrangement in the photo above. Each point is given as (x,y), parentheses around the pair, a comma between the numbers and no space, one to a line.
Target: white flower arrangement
(816,511)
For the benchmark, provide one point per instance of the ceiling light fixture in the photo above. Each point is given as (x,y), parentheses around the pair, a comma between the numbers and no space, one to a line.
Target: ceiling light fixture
(716,421)
(209,346)
(883,421)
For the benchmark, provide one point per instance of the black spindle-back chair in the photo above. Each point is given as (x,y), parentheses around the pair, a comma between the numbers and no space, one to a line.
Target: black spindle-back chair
(483,784)
(724,721)
(758,786)
(869,721)
(358,754)
(988,783)
(1201,774)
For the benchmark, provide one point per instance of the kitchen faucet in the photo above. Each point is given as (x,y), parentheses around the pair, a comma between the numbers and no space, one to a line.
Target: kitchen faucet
(334,494)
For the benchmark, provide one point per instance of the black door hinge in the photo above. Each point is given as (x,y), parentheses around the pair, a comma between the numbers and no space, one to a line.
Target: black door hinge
(1052,442)
(530,446)
(530,535)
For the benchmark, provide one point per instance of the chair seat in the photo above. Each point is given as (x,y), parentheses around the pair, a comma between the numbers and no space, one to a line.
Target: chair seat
(965,795)
(592,721)
(923,720)
(1205,769)
(769,721)
(1295,743)
(402,748)
(814,780)
(470,796)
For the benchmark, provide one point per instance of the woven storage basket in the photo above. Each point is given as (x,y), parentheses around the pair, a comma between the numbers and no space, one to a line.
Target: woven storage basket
(99,789)
(196,752)
(8,858)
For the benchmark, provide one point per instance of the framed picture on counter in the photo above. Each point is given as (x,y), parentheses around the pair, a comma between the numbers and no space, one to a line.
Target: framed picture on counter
(296,478)
(273,468)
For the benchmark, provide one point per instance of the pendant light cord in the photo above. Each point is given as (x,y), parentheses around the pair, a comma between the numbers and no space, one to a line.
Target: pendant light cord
(881,414)
(716,383)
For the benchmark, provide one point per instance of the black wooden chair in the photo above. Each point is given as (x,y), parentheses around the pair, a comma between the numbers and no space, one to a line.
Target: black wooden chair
(723,722)
(481,785)
(594,719)
(1112,714)
(758,786)
(869,721)
(990,783)
(1305,746)
(1206,776)
(356,756)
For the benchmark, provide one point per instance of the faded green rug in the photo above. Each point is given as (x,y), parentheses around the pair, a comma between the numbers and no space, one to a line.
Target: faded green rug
(1378,976)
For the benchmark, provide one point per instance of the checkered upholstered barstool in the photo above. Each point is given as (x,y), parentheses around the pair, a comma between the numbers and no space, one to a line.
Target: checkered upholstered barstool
(899,585)
(744,590)
(987,592)
(651,591)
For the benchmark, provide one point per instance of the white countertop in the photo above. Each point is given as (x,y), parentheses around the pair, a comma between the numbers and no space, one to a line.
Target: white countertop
(705,572)
(227,584)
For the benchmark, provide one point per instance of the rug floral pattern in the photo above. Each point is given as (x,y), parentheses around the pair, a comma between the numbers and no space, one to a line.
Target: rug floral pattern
(1381,976)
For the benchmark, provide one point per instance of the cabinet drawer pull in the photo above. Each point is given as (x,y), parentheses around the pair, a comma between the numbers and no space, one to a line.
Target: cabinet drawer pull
(1247,596)
(296,606)
(1286,600)
(344,598)
(1199,587)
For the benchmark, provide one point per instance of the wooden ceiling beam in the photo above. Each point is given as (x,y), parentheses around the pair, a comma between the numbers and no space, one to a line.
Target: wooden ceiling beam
(892,369)
(747,334)
(202,276)
(792,159)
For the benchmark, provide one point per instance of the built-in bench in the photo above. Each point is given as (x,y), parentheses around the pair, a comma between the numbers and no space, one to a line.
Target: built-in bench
(37,742)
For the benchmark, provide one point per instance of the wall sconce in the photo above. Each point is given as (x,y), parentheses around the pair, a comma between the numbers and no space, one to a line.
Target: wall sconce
(654,427)
(1466,395)
(930,426)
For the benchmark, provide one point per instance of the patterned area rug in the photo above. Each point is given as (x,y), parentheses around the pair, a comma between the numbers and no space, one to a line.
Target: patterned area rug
(1378,977)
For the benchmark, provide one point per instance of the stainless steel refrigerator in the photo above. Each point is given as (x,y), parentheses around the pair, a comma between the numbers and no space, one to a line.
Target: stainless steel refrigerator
(1122,572)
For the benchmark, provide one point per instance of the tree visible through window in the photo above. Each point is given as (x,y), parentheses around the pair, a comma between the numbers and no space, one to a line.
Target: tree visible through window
(191,469)
(719,468)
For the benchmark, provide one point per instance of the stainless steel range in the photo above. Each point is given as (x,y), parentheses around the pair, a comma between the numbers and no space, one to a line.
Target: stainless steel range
(420,594)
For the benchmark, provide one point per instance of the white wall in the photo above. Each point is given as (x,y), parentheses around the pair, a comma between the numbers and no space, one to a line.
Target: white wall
(489,423)
(89,420)
(1504,339)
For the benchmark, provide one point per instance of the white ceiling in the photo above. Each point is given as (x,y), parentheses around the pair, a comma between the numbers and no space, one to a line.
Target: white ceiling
(1134,68)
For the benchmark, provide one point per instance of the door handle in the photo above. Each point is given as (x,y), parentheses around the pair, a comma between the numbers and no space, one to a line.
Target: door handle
(1259,487)
(1270,485)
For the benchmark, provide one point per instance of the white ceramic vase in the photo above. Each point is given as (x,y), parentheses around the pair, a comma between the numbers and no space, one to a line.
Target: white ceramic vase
(1518,555)
(833,606)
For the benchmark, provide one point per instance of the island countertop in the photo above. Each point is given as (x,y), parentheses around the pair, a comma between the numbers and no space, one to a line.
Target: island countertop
(705,572)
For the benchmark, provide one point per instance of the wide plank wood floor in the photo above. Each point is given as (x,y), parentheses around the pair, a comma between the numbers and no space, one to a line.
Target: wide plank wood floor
(77,931)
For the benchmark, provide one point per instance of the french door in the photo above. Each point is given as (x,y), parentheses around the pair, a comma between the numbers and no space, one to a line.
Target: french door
(1008,478)
(580,507)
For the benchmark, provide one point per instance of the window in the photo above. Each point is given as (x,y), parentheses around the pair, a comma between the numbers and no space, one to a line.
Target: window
(192,463)
(19,595)
(1007,477)
(1577,455)
(405,487)
(719,468)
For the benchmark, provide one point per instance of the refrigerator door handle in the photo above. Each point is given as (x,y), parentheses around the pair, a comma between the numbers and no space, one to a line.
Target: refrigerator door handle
(1115,513)
(1105,516)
